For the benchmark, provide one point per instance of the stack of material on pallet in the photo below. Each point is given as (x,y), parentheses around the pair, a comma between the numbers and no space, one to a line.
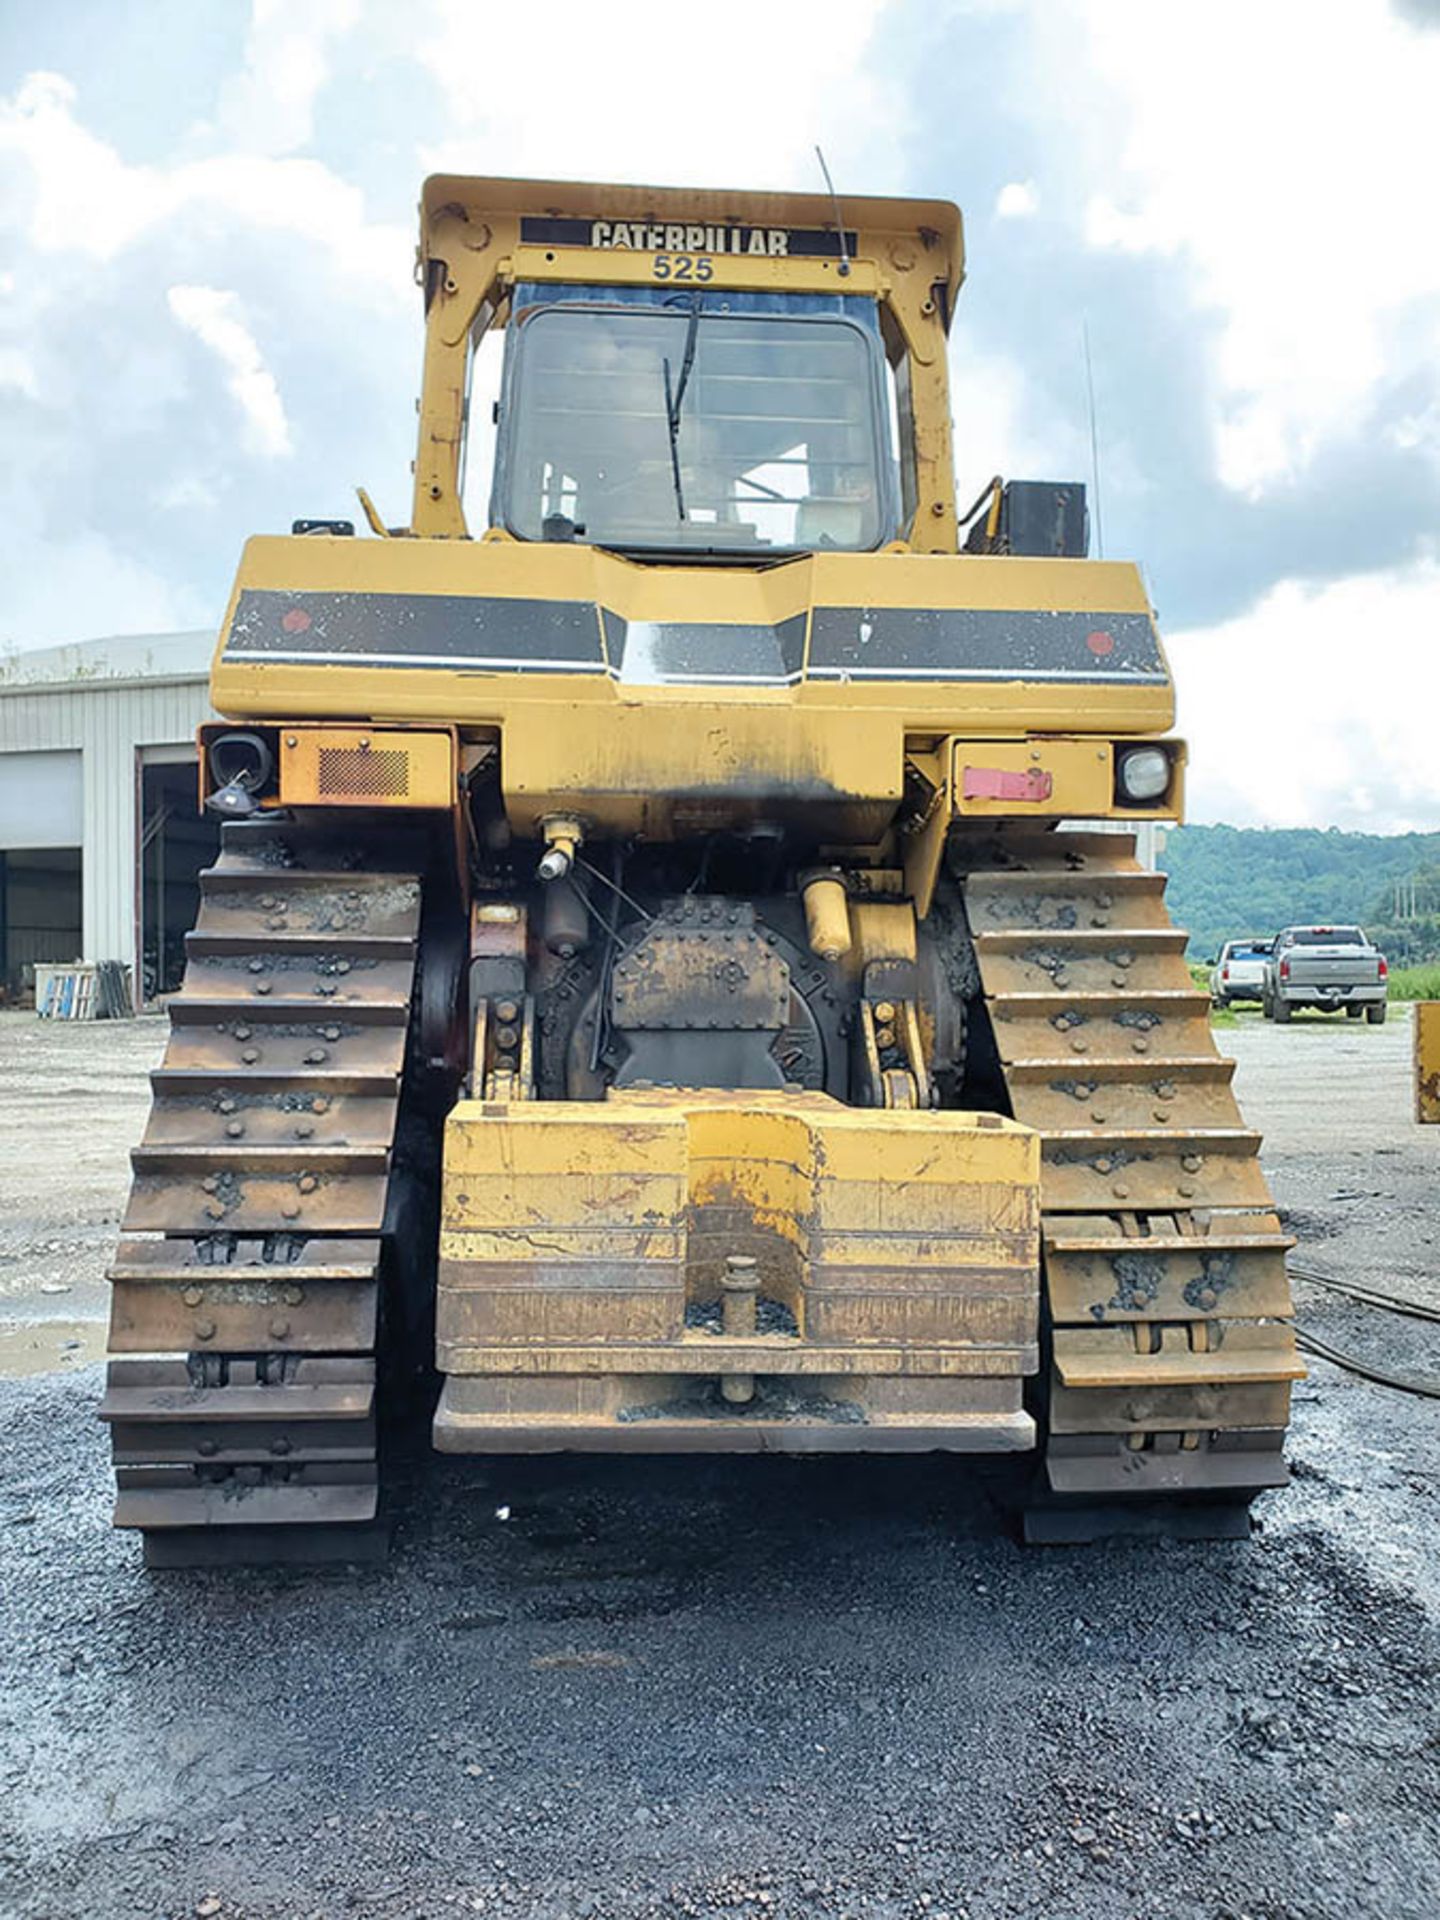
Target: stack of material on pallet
(86,991)
(65,993)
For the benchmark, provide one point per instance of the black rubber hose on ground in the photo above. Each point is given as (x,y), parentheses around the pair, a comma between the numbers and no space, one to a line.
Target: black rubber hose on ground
(1427,1385)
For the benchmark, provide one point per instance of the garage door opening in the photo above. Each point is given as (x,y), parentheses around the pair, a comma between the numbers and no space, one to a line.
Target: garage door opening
(176,842)
(39,914)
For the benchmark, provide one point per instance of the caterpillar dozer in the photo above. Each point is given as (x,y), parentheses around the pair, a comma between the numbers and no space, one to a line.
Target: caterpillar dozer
(678,974)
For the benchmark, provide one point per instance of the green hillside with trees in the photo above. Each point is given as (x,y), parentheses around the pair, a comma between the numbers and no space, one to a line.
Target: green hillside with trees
(1226,881)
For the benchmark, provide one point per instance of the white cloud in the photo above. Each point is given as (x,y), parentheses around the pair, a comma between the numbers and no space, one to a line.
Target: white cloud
(640,90)
(1318,705)
(215,318)
(80,584)
(17,372)
(1286,154)
(91,239)
(270,106)
(85,199)
(996,432)
(185,494)
(1017,201)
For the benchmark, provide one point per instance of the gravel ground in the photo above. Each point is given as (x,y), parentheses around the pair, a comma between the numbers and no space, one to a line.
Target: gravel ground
(73,1098)
(689,1688)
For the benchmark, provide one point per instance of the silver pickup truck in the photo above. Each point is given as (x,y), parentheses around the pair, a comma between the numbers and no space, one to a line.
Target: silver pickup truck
(1326,968)
(1239,971)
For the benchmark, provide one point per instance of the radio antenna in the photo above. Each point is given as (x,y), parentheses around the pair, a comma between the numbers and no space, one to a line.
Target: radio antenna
(839,219)
(1094,441)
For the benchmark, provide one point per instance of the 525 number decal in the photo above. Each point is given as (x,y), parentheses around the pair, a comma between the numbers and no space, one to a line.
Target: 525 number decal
(682,266)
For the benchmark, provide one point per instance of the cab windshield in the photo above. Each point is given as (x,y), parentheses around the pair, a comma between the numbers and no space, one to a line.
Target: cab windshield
(695,422)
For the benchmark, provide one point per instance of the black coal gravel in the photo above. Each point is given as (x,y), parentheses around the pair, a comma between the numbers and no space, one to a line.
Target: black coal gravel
(706,1686)
(745,1686)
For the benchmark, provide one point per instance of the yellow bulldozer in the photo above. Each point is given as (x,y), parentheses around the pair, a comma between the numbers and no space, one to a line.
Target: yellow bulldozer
(654,991)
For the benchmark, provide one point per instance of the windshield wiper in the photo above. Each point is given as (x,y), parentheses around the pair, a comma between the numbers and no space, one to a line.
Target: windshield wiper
(675,400)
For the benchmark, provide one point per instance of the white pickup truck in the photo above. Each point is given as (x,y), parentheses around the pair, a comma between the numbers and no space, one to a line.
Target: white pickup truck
(1239,972)
(1326,968)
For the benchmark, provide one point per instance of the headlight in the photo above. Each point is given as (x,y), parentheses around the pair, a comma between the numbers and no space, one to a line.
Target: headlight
(242,757)
(1143,773)
(241,766)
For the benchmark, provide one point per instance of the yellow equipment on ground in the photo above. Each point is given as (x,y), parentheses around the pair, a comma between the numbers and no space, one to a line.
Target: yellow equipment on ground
(1427,1062)
(648,979)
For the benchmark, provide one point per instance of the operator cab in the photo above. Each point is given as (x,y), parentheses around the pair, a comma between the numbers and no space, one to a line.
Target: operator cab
(685,375)
(713,422)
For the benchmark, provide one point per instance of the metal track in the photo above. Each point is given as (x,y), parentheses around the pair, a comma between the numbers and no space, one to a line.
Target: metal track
(261,1189)
(1168,1309)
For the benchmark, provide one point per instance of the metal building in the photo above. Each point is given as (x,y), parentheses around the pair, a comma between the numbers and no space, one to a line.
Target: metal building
(100,840)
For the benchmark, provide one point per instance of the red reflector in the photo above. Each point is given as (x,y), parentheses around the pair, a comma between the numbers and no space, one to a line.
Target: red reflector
(295,621)
(1100,642)
(1001,783)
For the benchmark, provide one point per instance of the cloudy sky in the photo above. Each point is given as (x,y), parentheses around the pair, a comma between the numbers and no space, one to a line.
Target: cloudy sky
(208,324)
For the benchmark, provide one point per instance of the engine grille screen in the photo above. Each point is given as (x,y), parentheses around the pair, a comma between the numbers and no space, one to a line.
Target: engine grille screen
(382,774)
